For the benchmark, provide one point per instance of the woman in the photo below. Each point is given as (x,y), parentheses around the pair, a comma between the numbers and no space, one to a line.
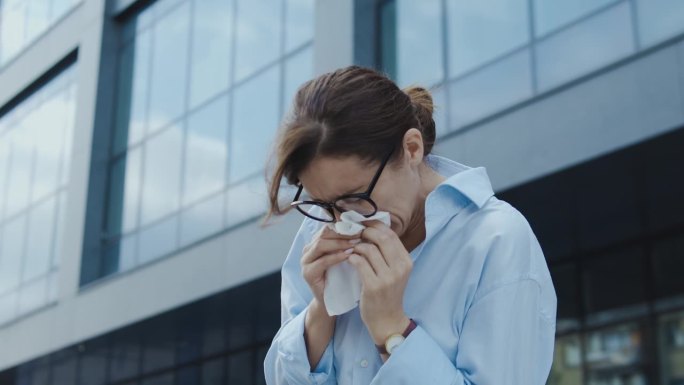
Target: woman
(455,291)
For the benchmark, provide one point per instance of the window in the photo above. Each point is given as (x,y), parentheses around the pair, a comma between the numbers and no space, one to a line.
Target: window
(35,153)
(196,109)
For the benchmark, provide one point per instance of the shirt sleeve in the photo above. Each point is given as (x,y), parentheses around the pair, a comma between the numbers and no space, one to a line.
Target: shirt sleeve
(507,335)
(286,361)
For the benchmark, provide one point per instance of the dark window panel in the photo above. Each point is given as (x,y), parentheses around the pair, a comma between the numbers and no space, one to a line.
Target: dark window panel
(565,282)
(614,280)
(158,344)
(125,354)
(214,372)
(240,368)
(64,366)
(668,265)
(92,369)
(188,376)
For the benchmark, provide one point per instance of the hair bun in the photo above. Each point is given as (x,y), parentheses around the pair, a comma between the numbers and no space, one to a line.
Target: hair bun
(421,99)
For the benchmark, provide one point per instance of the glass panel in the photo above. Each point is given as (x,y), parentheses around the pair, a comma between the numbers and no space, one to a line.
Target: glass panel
(550,14)
(626,285)
(169,67)
(299,23)
(490,89)
(659,19)
(12,30)
(298,69)
(480,31)
(240,368)
(124,193)
(19,187)
(211,47)
(121,255)
(51,119)
(11,253)
(258,35)
(159,347)
(189,339)
(206,151)
(255,121)
(59,231)
(163,379)
(259,369)
(64,366)
(246,200)
(212,372)
(188,376)
(565,283)
(584,47)
(668,261)
(419,40)
(158,240)
(671,346)
(161,183)
(124,360)
(132,90)
(613,355)
(92,368)
(37,18)
(33,295)
(440,110)
(202,219)
(39,249)
(567,362)
(70,109)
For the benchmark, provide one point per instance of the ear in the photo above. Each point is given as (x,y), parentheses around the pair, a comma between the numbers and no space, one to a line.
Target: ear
(413,146)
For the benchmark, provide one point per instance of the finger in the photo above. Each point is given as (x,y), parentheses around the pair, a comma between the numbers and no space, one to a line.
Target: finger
(324,262)
(320,247)
(374,257)
(364,269)
(385,240)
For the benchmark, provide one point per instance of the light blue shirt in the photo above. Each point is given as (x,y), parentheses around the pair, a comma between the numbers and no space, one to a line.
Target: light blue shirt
(480,292)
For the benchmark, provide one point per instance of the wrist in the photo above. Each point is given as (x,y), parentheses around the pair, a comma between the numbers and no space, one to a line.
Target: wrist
(394,326)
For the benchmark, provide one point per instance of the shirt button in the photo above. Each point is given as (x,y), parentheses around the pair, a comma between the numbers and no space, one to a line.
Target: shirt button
(364,363)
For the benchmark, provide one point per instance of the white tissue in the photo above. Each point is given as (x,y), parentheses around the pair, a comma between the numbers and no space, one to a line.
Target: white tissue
(342,284)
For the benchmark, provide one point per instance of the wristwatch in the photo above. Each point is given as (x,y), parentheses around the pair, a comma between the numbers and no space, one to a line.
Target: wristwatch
(396,339)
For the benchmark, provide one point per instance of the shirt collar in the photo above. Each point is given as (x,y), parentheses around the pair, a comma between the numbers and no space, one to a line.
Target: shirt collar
(472,182)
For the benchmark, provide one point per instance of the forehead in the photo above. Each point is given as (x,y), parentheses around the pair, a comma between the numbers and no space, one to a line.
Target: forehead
(327,178)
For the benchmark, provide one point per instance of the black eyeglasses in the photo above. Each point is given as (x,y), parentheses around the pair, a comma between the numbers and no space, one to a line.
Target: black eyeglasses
(359,202)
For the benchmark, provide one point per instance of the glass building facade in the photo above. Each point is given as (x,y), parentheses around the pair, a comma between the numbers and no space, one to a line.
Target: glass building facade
(35,154)
(134,136)
(486,56)
(196,110)
(22,21)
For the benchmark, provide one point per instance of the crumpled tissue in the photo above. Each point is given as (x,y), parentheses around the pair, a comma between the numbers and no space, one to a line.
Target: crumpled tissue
(342,290)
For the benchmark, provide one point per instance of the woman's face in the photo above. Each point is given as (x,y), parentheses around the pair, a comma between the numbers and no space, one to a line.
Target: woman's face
(398,189)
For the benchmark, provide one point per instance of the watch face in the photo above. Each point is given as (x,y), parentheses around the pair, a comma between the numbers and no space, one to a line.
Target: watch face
(393,341)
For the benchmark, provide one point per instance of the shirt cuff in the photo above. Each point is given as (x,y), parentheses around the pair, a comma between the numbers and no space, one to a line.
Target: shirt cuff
(292,349)
(418,360)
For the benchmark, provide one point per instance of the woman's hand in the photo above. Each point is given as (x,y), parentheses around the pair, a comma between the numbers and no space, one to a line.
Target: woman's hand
(384,266)
(326,249)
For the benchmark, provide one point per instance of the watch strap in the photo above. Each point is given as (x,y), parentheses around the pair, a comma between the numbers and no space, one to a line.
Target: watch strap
(412,325)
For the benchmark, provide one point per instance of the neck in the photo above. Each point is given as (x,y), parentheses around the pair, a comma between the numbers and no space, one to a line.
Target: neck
(416,232)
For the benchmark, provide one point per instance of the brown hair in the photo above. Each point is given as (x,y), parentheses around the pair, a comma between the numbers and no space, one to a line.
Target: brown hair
(352,111)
